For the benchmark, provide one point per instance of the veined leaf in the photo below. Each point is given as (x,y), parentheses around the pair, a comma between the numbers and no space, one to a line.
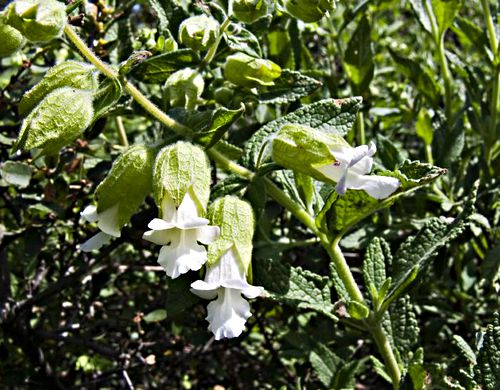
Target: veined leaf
(290,86)
(325,363)
(487,369)
(374,264)
(157,69)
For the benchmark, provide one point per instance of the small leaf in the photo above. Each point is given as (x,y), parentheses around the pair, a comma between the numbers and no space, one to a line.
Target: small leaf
(325,363)
(287,88)
(157,69)
(445,12)
(242,40)
(405,330)
(217,123)
(16,173)
(358,58)
(374,264)
(155,316)
(422,15)
(106,97)
(357,310)
(424,126)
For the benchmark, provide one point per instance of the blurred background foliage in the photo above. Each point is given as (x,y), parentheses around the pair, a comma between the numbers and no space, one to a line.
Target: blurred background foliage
(114,320)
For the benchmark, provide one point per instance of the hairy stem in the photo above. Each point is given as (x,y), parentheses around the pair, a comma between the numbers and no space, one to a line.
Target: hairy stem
(122,134)
(213,50)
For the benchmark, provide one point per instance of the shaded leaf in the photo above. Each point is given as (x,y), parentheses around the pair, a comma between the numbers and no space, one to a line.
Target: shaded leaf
(16,173)
(290,86)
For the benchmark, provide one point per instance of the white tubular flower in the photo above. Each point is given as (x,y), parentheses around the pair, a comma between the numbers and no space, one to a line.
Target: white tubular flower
(179,232)
(226,280)
(107,222)
(350,171)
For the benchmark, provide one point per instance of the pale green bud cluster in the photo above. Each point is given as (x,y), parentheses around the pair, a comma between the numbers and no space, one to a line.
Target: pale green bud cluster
(60,107)
(250,72)
(309,10)
(127,184)
(199,32)
(57,121)
(37,20)
(184,88)
(180,168)
(236,221)
(11,40)
(303,149)
(66,74)
(248,11)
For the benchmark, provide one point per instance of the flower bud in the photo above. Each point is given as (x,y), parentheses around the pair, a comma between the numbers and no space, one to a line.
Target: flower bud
(73,74)
(184,88)
(309,10)
(12,40)
(199,32)
(180,168)
(123,190)
(57,121)
(248,11)
(302,149)
(237,224)
(250,72)
(38,21)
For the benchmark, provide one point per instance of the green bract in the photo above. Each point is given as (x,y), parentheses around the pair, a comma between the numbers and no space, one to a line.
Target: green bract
(12,40)
(127,184)
(57,121)
(302,149)
(184,88)
(250,72)
(249,11)
(199,32)
(237,224)
(74,74)
(180,168)
(38,21)
(309,10)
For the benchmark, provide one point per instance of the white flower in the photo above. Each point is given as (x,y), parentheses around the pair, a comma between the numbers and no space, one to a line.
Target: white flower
(179,232)
(107,222)
(226,280)
(350,172)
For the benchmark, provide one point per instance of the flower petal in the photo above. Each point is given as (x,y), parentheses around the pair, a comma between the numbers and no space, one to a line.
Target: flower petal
(207,234)
(378,187)
(204,290)
(334,171)
(95,242)
(183,255)
(168,211)
(161,237)
(227,314)
(160,224)
(108,221)
(187,214)
(90,214)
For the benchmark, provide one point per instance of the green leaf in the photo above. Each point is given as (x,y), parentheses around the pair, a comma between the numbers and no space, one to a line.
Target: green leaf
(161,15)
(415,253)
(325,363)
(242,40)
(374,264)
(421,13)
(405,330)
(424,126)
(215,124)
(178,299)
(465,348)
(293,286)
(230,185)
(345,378)
(448,145)
(445,12)
(287,88)
(342,212)
(358,58)
(157,69)
(416,369)
(156,316)
(487,369)
(106,97)
(379,368)
(357,310)
(16,173)
(421,77)
(335,116)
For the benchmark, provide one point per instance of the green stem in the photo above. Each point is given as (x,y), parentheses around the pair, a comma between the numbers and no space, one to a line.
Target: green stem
(229,165)
(138,96)
(213,49)
(448,80)
(360,122)
(385,349)
(492,36)
(122,134)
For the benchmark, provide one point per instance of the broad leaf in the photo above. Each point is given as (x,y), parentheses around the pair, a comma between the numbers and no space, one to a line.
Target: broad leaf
(157,69)
(16,173)
(217,123)
(444,12)
(242,40)
(290,86)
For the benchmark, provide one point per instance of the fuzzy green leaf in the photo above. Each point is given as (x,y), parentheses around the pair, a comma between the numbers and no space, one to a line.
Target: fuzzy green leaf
(290,86)
(325,363)
(374,265)
(487,369)
(335,116)
(157,69)
(405,330)
(16,173)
